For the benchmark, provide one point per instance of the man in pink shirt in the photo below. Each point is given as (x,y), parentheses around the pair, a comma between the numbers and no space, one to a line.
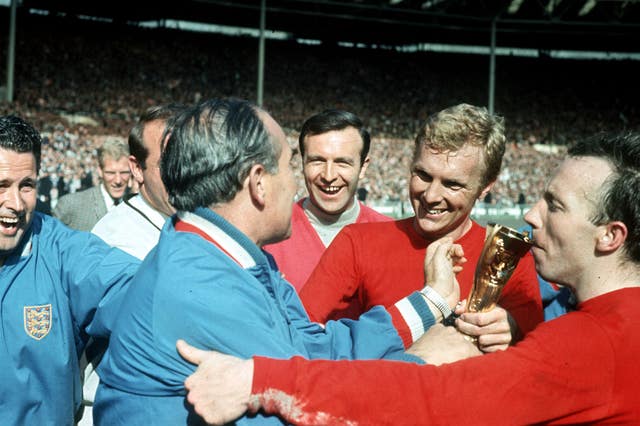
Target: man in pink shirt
(334,146)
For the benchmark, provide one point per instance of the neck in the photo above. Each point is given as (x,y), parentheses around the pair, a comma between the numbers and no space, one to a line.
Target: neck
(324,218)
(327,226)
(608,276)
(242,218)
(455,234)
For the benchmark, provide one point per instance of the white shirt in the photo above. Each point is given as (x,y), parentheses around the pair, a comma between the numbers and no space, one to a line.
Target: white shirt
(133,226)
(108,201)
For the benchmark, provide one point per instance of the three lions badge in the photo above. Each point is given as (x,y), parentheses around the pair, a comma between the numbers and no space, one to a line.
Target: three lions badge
(37,320)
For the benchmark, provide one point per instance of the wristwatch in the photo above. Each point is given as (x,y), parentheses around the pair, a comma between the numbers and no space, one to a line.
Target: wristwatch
(448,316)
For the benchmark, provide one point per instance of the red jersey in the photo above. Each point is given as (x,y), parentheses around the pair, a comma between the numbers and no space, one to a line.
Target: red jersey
(299,254)
(579,368)
(380,263)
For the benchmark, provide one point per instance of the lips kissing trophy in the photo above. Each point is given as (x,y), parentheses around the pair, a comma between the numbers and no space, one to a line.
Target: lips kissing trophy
(503,248)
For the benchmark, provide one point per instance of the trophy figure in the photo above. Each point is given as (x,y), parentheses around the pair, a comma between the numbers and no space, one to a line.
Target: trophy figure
(503,248)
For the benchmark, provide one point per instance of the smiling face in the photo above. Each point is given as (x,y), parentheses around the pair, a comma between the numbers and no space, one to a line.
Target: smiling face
(443,189)
(115,175)
(564,236)
(18,195)
(332,169)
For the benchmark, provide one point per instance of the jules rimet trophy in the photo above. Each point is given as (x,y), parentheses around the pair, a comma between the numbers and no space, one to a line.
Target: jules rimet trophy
(503,248)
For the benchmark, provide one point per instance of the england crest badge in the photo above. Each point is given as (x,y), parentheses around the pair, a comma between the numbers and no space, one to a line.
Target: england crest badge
(37,320)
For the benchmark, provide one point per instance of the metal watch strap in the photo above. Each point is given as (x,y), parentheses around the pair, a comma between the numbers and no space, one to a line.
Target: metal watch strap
(434,297)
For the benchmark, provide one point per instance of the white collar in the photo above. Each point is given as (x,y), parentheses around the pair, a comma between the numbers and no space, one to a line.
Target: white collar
(226,242)
(108,201)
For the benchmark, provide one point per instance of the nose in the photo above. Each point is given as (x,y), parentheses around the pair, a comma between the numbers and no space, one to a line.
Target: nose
(12,199)
(532,217)
(329,171)
(433,192)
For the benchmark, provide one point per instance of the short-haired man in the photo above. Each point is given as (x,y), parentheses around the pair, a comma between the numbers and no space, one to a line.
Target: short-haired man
(334,146)
(227,169)
(456,160)
(59,287)
(134,225)
(83,209)
(580,368)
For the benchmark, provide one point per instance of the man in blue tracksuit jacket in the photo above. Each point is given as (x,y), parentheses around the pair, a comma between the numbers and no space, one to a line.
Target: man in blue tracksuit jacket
(58,287)
(226,167)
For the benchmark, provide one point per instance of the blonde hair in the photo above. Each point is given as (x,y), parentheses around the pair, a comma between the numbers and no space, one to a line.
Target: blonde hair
(112,148)
(454,127)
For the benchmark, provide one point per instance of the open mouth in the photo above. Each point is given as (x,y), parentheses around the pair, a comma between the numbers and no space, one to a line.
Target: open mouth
(330,190)
(9,224)
(434,212)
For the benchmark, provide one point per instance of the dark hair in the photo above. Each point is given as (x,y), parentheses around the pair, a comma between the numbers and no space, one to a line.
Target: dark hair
(454,127)
(211,150)
(620,193)
(136,142)
(334,119)
(19,136)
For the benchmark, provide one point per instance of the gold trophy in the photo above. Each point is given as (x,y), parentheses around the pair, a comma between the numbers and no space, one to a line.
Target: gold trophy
(503,248)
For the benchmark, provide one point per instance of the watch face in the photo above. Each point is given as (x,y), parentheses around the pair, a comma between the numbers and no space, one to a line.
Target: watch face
(450,320)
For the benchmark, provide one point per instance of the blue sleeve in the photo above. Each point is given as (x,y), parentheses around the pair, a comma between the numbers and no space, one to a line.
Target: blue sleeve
(95,277)
(372,336)
(555,302)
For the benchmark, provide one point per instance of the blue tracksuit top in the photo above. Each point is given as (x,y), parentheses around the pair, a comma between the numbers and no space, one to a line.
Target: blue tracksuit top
(57,288)
(189,288)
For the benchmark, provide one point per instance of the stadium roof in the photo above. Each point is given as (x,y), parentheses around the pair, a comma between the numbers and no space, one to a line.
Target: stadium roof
(604,25)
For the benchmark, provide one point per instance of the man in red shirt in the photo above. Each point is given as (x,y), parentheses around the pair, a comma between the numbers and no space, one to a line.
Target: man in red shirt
(334,146)
(457,157)
(579,368)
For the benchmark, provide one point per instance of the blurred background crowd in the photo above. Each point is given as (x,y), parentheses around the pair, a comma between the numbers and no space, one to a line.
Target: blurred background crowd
(80,85)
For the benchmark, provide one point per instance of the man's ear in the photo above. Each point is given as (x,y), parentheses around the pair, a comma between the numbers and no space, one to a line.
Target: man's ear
(486,190)
(363,169)
(257,184)
(136,169)
(611,237)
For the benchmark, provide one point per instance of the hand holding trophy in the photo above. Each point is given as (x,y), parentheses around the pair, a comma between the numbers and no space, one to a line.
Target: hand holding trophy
(490,326)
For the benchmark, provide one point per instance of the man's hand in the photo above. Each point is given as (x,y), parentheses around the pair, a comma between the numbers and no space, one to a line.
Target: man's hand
(494,330)
(442,345)
(220,388)
(441,262)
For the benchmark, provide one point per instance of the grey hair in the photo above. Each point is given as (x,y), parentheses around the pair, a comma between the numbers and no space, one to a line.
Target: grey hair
(211,150)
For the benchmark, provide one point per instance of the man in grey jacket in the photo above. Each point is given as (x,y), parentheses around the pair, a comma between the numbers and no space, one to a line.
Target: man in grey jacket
(82,210)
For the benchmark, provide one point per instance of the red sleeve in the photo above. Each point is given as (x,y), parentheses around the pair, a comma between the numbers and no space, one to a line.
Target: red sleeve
(547,377)
(333,284)
(521,296)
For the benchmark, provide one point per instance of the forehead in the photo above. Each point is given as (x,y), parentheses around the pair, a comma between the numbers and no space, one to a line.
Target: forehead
(112,164)
(276,133)
(467,161)
(17,163)
(580,178)
(152,133)
(341,142)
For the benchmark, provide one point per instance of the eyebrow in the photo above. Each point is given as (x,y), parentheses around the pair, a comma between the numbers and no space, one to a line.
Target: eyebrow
(550,197)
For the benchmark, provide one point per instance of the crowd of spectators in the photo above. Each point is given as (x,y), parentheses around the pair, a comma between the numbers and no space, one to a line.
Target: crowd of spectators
(80,83)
